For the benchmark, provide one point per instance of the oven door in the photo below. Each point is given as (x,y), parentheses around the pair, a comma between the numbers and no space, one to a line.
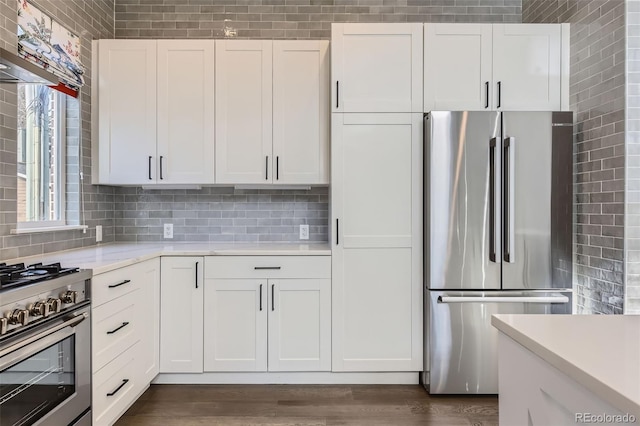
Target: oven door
(45,376)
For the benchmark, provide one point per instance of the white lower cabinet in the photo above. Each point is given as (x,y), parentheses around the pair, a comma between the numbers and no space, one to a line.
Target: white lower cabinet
(181,295)
(278,322)
(236,325)
(124,346)
(300,325)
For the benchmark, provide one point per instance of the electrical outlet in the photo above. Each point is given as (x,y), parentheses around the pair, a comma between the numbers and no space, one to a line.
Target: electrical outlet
(304,232)
(98,233)
(168,230)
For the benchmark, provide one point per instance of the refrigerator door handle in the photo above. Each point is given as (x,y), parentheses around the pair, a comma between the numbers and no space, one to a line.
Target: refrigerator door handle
(503,299)
(494,203)
(509,205)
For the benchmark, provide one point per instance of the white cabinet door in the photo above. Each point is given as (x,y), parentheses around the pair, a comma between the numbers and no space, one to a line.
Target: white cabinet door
(235,337)
(148,311)
(376,67)
(300,325)
(185,111)
(457,66)
(376,242)
(527,67)
(243,111)
(301,112)
(126,111)
(181,322)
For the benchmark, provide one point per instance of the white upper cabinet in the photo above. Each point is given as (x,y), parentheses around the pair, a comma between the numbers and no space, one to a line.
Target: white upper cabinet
(457,66)
(125,120)
(185,111)
(301,112)
(243,111)
(507,67)
(527,66)
(376,67)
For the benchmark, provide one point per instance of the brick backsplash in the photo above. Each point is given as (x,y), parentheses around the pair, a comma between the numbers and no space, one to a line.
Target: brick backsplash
(632,195)
(90,20)
(221,214)
(597,97)
(292,19)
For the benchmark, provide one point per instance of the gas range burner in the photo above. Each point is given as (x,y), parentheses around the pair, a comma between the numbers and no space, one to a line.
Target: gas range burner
(17,275)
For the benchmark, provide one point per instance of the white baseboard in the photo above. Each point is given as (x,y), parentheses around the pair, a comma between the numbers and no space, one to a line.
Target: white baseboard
(324,378)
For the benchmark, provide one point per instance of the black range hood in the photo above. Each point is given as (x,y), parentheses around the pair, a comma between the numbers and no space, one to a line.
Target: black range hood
(14,69)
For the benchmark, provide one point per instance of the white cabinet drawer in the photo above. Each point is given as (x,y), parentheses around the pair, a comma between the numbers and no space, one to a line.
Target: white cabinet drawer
(113,284)
(114,328)
(115,387)
(267,267)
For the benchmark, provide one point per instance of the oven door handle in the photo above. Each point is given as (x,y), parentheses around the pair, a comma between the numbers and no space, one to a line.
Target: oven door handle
(71,322)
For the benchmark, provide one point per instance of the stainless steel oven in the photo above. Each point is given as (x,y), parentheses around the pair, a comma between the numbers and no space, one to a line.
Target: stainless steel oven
(45,357)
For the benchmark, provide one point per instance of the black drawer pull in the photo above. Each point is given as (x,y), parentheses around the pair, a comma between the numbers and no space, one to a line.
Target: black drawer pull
(259,268)
(119,284)
(124,382)
(124,324)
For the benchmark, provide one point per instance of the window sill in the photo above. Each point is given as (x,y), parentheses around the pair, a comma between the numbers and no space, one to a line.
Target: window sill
(48,229)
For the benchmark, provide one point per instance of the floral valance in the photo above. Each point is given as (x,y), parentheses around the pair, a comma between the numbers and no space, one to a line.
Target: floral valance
(45,42)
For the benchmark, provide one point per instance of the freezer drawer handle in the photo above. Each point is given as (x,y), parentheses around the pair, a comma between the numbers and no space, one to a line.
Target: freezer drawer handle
(503,299)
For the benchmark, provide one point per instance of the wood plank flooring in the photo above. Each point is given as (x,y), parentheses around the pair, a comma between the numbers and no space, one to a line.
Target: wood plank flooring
(388,405)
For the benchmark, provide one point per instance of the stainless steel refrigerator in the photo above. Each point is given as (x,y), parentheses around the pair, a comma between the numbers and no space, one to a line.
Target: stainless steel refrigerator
(498,235)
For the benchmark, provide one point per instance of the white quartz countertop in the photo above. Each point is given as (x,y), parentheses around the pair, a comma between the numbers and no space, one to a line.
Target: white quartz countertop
(601,352)
(104,258)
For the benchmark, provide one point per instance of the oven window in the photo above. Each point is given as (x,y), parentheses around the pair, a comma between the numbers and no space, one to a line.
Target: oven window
(36,385)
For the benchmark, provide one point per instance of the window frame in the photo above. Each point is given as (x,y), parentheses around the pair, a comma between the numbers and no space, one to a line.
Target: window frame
(60,126)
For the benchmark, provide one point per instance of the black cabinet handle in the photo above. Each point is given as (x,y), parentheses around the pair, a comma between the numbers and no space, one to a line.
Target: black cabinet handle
(277,167)
(260,296)
(197,274)
(273,300)
(266,168)
(486,92)
(124,382)
(150,168)
(115,330)
(337,231)
(337,94)
(161,157)
(499,93)
(119,284)
(259,268)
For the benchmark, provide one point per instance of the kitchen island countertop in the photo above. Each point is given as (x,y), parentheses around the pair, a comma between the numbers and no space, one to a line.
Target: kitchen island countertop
(107,257)
(601,352)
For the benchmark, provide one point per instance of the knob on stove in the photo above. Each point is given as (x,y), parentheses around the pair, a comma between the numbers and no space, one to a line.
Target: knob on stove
(69,296)
(4,324)
(55,305)
(40,308)
(19,316)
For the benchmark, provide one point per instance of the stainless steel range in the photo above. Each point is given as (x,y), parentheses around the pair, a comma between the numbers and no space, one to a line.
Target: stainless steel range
(45,345)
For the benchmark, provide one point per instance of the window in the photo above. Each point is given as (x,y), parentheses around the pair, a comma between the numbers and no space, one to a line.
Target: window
(41,157)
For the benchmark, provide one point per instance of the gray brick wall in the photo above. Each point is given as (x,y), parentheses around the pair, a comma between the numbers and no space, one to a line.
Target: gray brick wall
(632,195)
(597,96)
(221,214)
(292,19)
(90,20)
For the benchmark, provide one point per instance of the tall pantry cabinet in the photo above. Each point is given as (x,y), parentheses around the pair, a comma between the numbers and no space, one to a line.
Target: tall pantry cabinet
(376,197)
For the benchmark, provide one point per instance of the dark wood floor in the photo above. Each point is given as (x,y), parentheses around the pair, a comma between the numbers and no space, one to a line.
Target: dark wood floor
(388,405)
